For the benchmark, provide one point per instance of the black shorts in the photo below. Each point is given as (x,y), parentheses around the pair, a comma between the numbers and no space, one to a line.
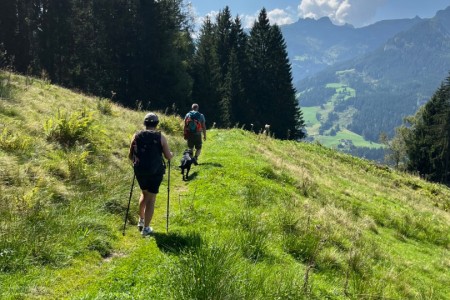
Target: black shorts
(149,183)
(195,141)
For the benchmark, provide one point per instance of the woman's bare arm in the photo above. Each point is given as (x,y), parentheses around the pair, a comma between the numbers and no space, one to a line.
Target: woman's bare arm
(132,145)
(167,153)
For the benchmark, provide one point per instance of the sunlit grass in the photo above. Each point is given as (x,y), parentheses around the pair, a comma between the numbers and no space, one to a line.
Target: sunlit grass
(259,219)
(309,115)
(358,141)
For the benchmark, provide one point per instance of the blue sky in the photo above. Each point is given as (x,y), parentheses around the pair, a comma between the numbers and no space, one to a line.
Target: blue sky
(356,12)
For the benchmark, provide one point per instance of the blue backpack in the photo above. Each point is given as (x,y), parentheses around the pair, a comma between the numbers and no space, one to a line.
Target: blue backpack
(192,123)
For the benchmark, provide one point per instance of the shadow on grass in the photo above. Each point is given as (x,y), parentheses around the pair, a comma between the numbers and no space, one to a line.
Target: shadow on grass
(192,176)
(212,164)
(176,243)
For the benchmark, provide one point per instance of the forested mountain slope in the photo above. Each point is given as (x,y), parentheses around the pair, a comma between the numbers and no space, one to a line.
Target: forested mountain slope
(377,90)
(314,45)
(259,218)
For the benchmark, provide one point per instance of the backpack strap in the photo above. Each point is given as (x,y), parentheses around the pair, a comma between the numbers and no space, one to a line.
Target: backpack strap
(195,115)
(148,139)
(146,135)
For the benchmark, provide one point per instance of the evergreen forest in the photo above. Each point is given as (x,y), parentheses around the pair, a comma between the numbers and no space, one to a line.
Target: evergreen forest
(142,54)
(422,143)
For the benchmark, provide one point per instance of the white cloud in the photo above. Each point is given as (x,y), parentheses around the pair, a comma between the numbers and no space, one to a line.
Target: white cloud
(276,16)
(280,17)
(212,16)
(248,20)
(355,12)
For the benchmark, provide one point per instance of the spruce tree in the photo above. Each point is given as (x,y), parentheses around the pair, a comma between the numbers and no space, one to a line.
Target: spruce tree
(273,94)
(223,40)
(56,40)
(260,93)
(428,141)
(231,92)
(232,41)
(25,44)
(92,67)
(8,22)
(239,65)
(287,120)
(174,49)
(205,73)
(441,147)
(418,142)
(223,47)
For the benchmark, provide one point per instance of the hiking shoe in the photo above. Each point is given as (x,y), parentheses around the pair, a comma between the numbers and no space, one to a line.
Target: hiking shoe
(195,160)
(141,224)
(147,231)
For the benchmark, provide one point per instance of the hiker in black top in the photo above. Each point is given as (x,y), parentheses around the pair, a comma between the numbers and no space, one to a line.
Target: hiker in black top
(146,151)
(194,127)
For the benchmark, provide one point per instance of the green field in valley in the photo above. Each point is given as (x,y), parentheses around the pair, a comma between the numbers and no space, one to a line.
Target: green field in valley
(310,114)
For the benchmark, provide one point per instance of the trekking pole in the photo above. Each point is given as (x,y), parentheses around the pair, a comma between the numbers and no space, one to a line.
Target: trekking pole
(168,199)
(128,208)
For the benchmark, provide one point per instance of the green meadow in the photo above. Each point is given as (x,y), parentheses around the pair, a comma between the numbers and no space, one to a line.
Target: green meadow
(357,140)
(309,115)
(312,124)
(259,218)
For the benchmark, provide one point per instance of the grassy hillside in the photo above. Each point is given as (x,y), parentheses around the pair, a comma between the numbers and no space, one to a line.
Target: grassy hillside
(259,219)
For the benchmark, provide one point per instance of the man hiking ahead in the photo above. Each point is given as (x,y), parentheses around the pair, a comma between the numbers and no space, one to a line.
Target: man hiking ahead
(194,127)
(146,151)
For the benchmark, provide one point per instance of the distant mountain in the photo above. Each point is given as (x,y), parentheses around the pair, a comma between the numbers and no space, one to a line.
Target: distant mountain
(314,45)
(389,83)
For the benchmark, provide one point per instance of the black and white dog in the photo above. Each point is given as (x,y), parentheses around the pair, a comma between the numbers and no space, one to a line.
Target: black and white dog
(186,163)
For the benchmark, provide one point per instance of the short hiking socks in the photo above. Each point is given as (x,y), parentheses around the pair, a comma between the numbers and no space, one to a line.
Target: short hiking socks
(140,224)
(147,231)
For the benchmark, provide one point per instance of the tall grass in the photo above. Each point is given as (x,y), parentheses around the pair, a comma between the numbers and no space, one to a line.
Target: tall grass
(252,236)
(207,272)
(271,220)
(214,271)
(7,89)
(31,235)
(105,106)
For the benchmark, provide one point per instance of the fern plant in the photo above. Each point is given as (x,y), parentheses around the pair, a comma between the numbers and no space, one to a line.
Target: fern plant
(13,142)
(69,129)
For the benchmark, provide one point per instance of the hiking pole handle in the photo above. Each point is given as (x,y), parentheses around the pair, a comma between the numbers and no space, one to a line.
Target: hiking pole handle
(168,198)
(128,207)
